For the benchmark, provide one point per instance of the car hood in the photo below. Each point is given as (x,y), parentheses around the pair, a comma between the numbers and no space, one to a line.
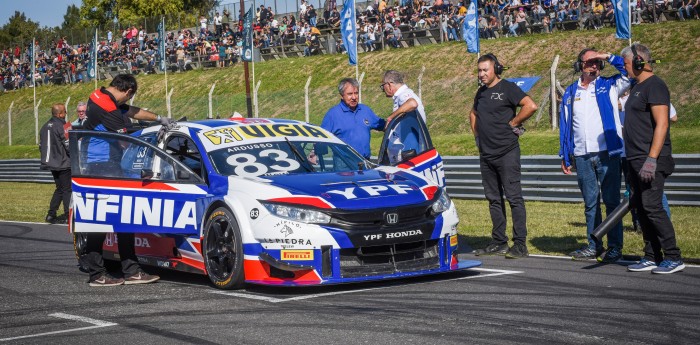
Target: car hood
(357,189)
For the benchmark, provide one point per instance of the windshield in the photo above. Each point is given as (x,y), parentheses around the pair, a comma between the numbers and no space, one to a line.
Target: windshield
(286,157)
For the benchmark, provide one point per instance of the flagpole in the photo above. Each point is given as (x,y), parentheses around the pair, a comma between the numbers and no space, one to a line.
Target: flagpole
(629,19)
(165,63)
(36,114)
(248,102)
(357,63)
(94,58)
(255,91)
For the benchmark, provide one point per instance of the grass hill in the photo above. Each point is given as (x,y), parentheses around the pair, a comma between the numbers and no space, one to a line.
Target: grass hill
(448,85)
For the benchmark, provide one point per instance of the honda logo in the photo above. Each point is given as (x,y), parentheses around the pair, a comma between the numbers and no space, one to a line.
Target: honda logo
(392,218)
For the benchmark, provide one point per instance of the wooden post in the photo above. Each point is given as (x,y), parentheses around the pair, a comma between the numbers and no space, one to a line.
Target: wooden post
(553,91)
(209,116)
(167,101)
(420,82)
(9,123)
(255,98)
(306,100)
(36,122)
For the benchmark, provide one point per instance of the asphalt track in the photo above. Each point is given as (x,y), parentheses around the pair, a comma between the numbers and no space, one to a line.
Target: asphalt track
(44,299)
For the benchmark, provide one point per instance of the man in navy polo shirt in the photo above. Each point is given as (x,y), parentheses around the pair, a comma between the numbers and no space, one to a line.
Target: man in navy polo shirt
(351,121)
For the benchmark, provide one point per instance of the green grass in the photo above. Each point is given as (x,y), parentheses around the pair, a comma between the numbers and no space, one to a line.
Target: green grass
(553,228)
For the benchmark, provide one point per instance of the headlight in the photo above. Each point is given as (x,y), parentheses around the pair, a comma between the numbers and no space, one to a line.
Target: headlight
(297,214)
(442,204)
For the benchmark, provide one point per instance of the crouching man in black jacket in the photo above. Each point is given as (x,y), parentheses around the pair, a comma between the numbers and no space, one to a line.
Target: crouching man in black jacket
(53,146)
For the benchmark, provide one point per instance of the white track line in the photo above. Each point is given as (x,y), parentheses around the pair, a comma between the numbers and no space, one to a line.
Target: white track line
(494,272)
(96,323)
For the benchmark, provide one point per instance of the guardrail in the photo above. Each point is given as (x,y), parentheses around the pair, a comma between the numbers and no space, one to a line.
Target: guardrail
(542,178)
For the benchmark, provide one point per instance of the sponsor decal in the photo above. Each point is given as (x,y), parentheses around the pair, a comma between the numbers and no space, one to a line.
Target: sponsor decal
(297,255)
(373,190)
(292,241)
(392,235)
(165,264)
(254,213)
(139,242)
(229,135)
(134,210)
(453,241)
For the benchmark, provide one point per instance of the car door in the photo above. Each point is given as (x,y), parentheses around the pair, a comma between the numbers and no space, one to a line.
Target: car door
(127,184)
(407,144)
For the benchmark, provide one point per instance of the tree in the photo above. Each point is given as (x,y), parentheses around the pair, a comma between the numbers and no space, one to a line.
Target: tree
(18,30)
(71,20)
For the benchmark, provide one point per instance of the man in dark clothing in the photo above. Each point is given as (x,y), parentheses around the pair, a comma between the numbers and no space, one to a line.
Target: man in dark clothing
(496,129)
(649,161)
(107,111)
(53,146)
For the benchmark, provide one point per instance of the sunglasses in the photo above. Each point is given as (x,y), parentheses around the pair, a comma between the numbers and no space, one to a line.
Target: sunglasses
(381,86)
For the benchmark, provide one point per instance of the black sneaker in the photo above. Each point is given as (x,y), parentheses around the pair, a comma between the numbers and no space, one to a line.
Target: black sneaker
(493,249)
(62,219)
(517,251)
(611,255)
(585,253)
(50,218)
(141,278)
(106,280)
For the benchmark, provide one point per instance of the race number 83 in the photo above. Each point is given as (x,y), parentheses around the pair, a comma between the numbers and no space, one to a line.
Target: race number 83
(246,164)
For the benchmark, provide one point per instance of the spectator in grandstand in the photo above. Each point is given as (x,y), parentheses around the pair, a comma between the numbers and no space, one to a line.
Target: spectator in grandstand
(311,13)
(351,121)
(520,22)
(81,110)
(496,128)
(218,20)
(53,145)
(590,138)
(597,17)
(650,161)
(546,24)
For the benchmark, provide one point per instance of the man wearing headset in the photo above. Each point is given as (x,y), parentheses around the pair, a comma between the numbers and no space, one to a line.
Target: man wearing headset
(496,129)
(649,160)
(590,137)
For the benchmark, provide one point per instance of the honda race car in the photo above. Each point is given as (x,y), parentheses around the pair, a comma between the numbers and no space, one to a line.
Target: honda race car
(266,201)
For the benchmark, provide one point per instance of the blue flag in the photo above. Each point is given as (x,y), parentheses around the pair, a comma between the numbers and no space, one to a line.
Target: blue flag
(348,31)
(622,19)
(470,28)
(92,63)
(525,83)
(248,36)
(161,44)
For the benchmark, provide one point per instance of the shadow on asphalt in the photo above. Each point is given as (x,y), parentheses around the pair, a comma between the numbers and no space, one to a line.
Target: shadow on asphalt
(561,245)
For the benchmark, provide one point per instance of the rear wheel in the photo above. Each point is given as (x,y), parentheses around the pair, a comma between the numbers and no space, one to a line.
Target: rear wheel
(223,250)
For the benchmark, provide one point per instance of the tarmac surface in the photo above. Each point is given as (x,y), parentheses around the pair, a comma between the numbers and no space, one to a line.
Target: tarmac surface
(44,299)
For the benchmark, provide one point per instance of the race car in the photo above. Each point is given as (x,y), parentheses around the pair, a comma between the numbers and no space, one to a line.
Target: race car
(266,201)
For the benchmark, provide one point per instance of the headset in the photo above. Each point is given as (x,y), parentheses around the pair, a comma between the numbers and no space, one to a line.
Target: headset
(497,67)
(578,65)
(638,61)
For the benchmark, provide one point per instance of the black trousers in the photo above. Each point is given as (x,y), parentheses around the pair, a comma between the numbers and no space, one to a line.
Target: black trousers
(502,176)
(657,229)
(93,260)
(62,193)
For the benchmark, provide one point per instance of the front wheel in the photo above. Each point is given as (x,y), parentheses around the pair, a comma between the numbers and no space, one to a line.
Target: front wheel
(223,250)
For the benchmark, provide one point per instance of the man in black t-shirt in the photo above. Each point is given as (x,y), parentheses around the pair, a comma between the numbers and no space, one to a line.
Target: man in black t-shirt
(496,129)
(649,161)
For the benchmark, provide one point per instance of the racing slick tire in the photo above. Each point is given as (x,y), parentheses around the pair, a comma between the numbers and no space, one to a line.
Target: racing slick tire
(79,244)
(223,250)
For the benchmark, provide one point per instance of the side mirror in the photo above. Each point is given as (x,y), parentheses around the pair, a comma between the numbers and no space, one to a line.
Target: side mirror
(408,154)
(146,174)
(183,175)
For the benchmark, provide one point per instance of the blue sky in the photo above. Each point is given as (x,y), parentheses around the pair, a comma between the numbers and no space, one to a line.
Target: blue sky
(46,12)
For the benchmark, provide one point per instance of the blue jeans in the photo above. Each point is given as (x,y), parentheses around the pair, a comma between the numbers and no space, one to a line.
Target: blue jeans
(599,176)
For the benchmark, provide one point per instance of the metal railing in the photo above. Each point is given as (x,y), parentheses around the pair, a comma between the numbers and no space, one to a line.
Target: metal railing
(542,178)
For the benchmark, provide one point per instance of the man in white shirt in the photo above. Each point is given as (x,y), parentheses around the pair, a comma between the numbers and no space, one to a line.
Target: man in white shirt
(405,100)
(217,24)
(590,137)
